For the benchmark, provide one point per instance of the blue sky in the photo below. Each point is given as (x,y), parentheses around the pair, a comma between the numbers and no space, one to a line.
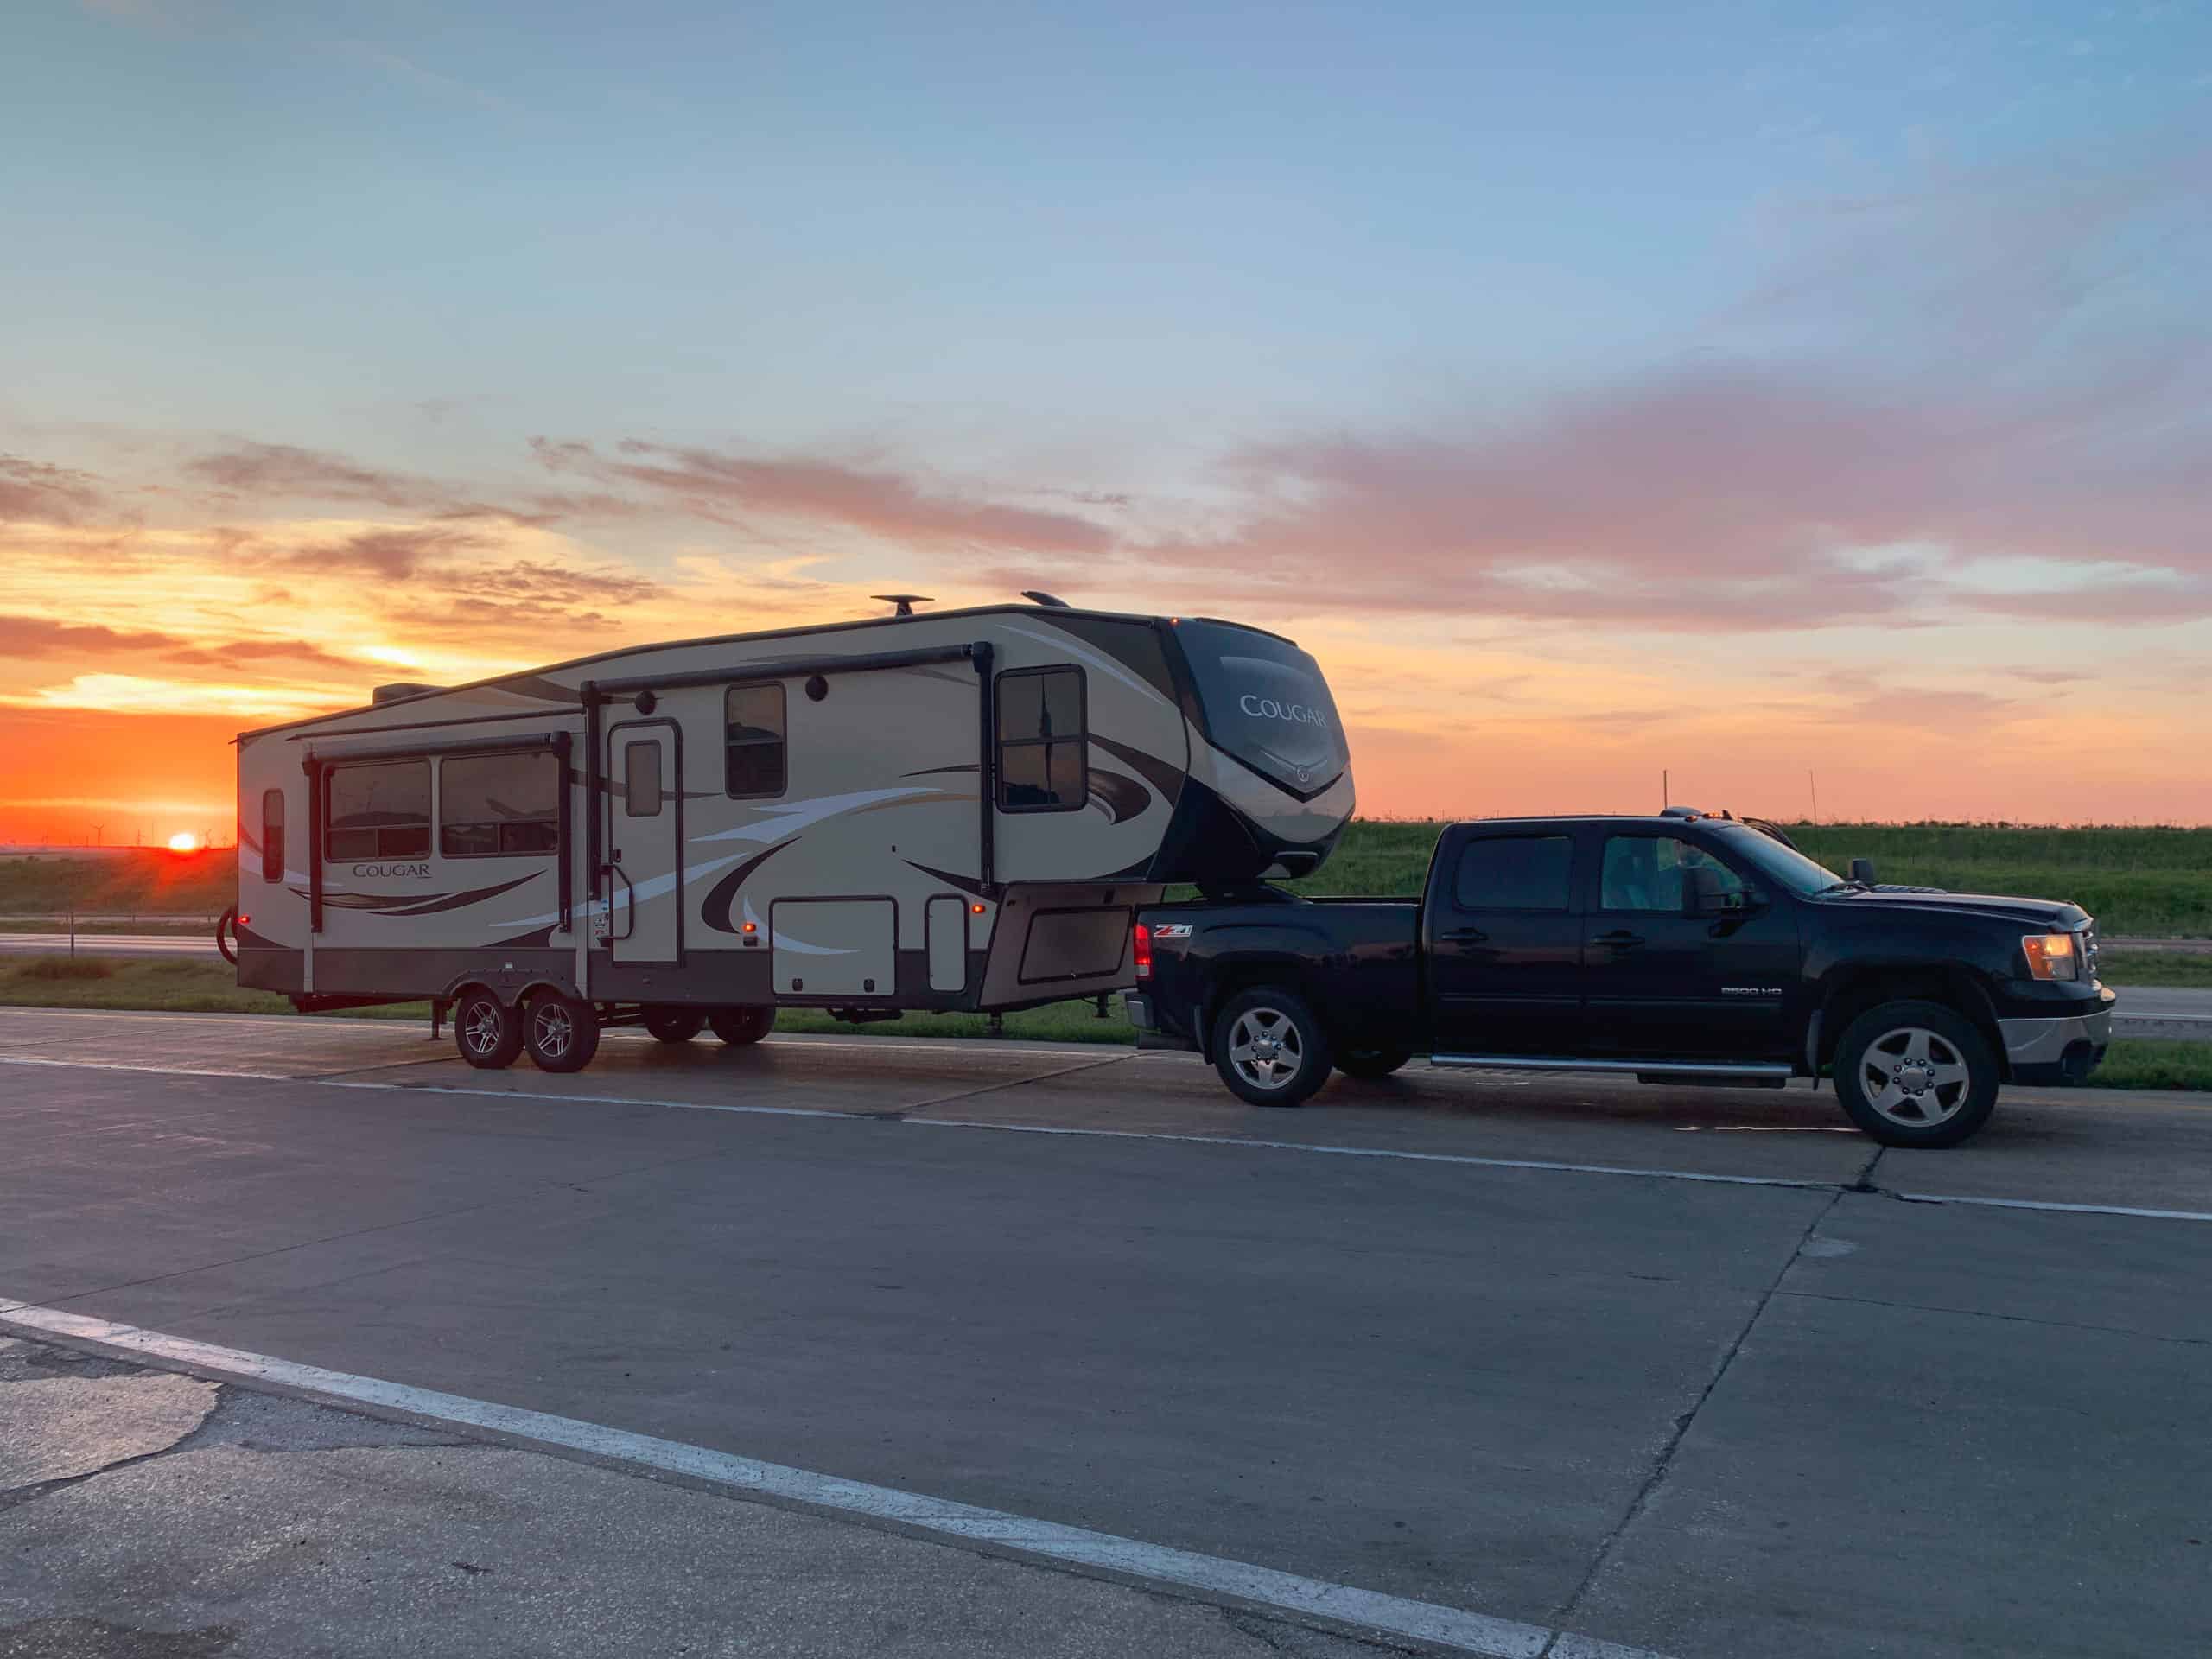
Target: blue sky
(1894,303)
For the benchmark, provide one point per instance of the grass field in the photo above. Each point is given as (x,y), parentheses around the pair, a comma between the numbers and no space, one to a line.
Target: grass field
(2145,882)
(86,981)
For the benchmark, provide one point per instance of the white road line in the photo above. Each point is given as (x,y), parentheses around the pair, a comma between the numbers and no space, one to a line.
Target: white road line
(1334,1150)
(1212,1576)
(2052,1204)
(1321,1149)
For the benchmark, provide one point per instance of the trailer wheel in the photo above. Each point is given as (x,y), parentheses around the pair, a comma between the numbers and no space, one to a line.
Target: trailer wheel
(560,1033)
(675,1025)
(747,1023)
(487,1031)
(1270,1049)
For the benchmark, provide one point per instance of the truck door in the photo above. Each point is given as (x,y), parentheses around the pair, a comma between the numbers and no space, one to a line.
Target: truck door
(1663,983)
(1506,944)
(644,842)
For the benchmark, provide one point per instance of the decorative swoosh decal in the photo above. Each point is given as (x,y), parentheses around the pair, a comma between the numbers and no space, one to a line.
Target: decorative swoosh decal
(1168,780)
(1123,798)
(718,908)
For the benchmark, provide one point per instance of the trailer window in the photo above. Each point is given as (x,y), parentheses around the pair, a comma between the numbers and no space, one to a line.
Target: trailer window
(490,804)
(1043,763)
(753,741)
(378,810)
(641,779)
(272,834)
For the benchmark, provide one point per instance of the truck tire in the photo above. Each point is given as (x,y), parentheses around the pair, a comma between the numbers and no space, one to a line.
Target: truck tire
(1915,1074)
(747,1023)
(674,1025)
(1270,1049)
(1372,1064)
(487,1031)
(560,1033)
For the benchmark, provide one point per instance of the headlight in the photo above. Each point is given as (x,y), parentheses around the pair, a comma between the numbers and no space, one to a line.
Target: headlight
(2052,956)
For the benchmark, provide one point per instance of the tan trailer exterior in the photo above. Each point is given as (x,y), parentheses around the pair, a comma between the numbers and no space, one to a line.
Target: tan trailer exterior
(958,809)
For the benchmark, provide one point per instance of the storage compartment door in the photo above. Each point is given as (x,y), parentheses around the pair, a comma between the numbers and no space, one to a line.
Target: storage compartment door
(945,927)
(835,947)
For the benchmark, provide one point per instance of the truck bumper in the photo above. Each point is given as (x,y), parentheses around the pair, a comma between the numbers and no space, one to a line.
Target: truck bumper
(2059,1049)
(1150,1034)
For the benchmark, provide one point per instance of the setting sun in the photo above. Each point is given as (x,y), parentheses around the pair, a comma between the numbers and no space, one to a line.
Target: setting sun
(184,842)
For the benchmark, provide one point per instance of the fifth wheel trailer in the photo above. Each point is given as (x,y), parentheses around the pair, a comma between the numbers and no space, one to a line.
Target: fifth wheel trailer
(954,811)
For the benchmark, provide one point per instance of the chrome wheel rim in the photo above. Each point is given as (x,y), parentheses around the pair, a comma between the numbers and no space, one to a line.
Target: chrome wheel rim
(1266,1047)
(1915,1078)
(552,1031)
(482,1030)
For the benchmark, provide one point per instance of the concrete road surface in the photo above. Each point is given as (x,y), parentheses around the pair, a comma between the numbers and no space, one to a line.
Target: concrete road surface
(1553,1364)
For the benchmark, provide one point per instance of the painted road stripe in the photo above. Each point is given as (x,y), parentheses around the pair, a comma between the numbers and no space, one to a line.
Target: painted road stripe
(1212,1576)
(1320,1148)
(2052,1204)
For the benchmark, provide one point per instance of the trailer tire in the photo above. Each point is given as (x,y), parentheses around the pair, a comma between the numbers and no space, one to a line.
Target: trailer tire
(560,1033)
(674,1025)
(747,1023)
(1270,1048)
(487,1031)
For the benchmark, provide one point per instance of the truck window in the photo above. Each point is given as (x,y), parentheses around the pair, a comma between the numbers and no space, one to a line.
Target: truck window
(1645,873)
(1266,704)
(1043,763)
(491,804)
(380,809)
(1514,873)
(753,741)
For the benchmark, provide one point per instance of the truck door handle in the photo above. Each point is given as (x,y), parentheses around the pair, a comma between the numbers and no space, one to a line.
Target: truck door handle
(1619,939)
(1466,935)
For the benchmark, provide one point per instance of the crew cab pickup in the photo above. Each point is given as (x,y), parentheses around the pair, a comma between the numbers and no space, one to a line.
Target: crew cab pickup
(1681,948)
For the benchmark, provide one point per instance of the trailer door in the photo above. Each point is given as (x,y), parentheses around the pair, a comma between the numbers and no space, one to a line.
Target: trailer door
(644,842)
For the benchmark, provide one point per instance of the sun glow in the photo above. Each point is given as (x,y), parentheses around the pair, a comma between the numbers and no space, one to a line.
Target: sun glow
(184,842)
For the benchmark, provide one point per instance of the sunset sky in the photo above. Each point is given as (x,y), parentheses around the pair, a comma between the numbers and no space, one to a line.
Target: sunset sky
(1732,389)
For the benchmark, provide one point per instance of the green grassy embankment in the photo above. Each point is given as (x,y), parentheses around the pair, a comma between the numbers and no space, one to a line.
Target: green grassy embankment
(2145,883)
(2142,883)
(118,982)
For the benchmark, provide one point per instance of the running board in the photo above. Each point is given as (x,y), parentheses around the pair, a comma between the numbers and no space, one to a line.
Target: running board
(1648,1068)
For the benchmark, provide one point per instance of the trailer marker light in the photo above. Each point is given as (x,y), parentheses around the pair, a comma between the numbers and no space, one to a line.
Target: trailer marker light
(245,921)
(1142,950)
(753,927)
(977,909)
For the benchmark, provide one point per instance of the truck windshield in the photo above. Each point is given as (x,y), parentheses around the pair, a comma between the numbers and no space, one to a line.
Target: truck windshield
(1799,874)
(1266,704)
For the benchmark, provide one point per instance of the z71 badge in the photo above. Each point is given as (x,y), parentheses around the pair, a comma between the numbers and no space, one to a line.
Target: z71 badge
(1172,930)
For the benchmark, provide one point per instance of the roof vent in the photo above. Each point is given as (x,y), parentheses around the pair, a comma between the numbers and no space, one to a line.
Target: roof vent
(1051,601)
(399,689)
(905,602)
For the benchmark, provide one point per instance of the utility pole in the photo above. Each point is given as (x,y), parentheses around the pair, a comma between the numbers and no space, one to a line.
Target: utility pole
(1814,790)
(1666,798)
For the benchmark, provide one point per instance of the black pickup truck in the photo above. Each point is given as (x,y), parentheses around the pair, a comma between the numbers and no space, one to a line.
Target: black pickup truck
(1681,948)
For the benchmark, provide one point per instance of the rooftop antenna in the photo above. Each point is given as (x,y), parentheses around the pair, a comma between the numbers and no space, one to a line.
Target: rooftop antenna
(1049,600)
(905,602)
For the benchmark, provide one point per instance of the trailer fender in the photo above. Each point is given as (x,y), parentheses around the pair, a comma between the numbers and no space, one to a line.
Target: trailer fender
(512,985)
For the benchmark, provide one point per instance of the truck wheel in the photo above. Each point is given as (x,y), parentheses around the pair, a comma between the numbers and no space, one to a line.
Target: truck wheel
(560,1033)
(1915,1074)
(487,1031)
(747,1023)
(1371,1063)
(675,1025)
(1270,1049)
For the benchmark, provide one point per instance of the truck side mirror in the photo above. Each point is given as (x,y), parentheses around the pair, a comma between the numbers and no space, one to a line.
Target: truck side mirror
(1708,890)
(1862,871)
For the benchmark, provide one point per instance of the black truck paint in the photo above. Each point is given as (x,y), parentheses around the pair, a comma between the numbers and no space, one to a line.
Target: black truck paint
(1676,948)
